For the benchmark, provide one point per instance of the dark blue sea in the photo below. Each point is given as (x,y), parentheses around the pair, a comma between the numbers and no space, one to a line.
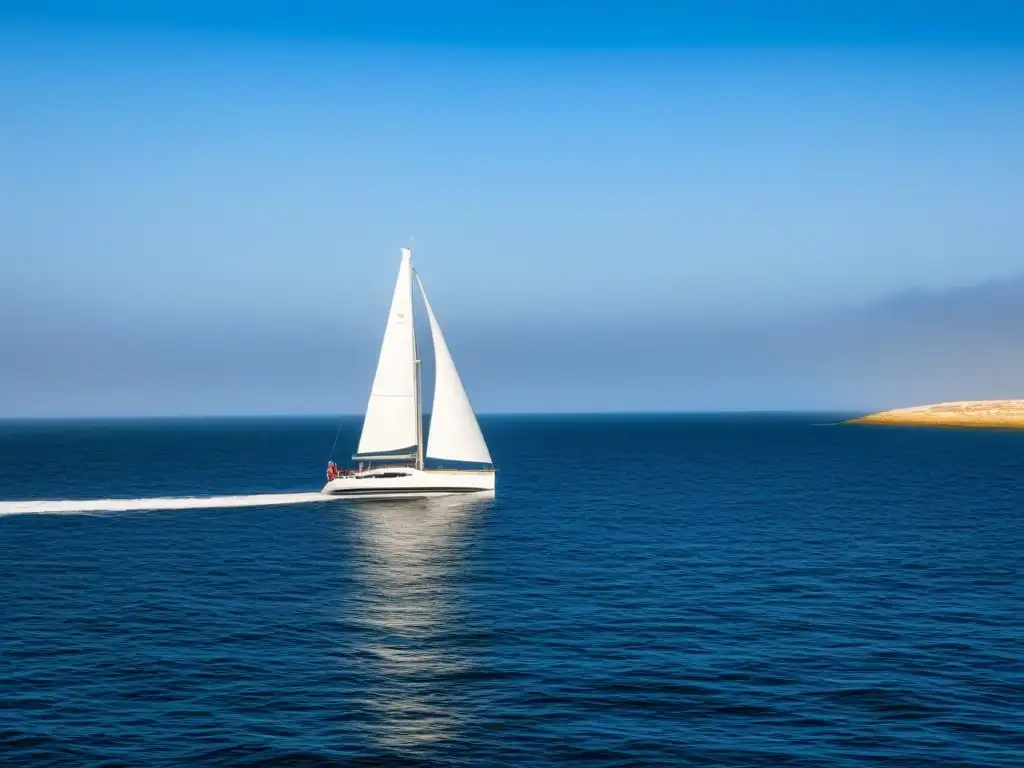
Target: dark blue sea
(657,590)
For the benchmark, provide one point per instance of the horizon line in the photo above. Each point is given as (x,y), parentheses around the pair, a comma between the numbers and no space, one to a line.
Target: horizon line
(317,416)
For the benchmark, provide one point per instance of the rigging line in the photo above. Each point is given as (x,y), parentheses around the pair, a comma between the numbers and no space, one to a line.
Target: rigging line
(330,456)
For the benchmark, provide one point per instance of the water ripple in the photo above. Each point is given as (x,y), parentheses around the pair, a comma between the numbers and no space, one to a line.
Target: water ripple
(721,593)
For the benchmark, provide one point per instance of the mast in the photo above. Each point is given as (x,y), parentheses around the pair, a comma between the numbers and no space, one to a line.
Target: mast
(419,415)
(419,390)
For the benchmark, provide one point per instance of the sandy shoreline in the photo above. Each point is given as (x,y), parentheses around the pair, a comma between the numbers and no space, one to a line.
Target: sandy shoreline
(979,414)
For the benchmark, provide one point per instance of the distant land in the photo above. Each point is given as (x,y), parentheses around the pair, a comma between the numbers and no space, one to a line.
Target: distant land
(1000,414)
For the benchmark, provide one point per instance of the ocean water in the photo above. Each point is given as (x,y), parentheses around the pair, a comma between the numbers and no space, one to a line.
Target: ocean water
(659,590)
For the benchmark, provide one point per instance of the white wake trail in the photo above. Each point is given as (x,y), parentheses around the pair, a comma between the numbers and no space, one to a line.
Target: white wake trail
(72,506)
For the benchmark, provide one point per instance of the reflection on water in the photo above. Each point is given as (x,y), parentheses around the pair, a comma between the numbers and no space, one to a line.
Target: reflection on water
(409,560)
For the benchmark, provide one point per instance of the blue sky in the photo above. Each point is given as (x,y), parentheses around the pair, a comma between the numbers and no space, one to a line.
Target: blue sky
(201,203)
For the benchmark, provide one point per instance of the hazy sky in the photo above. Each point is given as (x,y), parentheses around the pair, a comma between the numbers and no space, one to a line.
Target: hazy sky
(701,205)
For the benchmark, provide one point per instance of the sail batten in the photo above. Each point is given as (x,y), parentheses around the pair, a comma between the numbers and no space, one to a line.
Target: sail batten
(454,431)
(391,418)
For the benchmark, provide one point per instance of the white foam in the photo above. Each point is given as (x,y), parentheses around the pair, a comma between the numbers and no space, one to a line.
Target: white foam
(74,506)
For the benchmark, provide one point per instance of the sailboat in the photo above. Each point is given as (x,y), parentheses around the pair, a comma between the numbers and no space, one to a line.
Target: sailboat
(391,461)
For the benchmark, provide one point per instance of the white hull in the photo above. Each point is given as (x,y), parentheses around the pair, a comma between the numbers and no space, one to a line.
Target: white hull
(409,483)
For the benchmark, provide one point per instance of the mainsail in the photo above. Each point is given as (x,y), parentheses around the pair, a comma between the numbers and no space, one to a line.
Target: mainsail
(391,425)
(454,432)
